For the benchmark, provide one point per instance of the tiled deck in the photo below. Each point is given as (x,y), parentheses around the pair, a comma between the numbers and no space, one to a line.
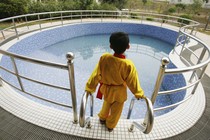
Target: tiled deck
(12,127)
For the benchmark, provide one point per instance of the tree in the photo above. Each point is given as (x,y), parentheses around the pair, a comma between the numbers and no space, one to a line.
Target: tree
(144,2)
(133,4)
(180,7)
(10,8)
(118,3)
(172,10)
(195,8)
(84,4)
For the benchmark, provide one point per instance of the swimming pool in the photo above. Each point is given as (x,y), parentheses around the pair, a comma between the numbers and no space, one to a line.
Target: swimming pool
(44,45)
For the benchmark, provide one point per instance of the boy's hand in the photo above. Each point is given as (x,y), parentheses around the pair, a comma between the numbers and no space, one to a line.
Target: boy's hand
(140,97)
(88,92)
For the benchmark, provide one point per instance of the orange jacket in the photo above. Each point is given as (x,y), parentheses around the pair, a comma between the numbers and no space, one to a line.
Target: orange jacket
(115,74)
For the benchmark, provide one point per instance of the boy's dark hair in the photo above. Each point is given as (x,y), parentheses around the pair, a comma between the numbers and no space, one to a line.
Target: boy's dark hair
(119,42)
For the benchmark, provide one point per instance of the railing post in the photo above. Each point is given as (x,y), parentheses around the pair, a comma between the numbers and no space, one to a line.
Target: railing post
(101,16)
(206,26)
(142,19)
(200,77)
(186,39)
(26,21)
(1,83)
(177,41)
(13,21)
(81,16)
(121,15)
(70,63)
(61,18)
(3,34)
(164,63)
(131,107)
(40,27)
(199,61)
(17,73)
(192,30)
(51,18)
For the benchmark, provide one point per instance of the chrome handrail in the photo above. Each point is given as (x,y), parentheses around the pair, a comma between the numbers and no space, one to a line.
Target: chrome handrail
(83,121)
(147,125)
(69,67)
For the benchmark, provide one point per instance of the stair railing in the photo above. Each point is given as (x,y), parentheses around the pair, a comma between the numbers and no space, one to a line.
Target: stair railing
(83,121)
(147,125)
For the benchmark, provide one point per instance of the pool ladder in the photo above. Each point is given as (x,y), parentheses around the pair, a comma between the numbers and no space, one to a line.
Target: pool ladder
(145,126)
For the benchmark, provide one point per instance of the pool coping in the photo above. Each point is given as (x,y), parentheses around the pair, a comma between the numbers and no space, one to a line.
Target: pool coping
(165,126)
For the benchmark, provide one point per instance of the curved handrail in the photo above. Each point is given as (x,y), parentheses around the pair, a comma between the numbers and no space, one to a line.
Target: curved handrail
(68,67)
(33,60)
(147,125)
(82,119)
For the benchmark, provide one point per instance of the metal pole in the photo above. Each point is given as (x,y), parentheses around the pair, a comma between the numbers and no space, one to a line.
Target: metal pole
(101,16)
(62,19)
(183,46)
(40,27)
(207,23)
(70,63)
(13,21)
(165,62)
(192,30)
(81,16)
(200,77)
(131,108)
(3,34)
(26,21)
(1,83)
(199,61)
(17,73)
(91,105)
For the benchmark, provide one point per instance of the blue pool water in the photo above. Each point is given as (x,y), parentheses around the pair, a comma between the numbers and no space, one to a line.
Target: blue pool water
(88,46)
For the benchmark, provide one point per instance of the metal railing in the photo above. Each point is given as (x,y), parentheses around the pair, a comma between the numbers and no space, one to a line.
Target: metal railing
(83,121)
(19,25)
(23,24)
(69,67)
(146,126)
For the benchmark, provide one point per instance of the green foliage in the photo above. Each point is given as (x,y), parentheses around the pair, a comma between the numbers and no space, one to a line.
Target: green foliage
(180,7)
(68,5)
(118,3)
(195,8)
(144,2)
(183,20)
(37,7)
(106,6)
(149,19)
(134,15)
(10,8)
(133,4)
(172,10)
(84,4)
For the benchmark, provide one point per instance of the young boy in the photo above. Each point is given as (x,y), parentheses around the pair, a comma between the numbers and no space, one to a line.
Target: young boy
(115,74)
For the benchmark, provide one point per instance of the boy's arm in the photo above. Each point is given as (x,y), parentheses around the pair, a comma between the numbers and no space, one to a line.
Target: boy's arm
(93,80)
(133,83)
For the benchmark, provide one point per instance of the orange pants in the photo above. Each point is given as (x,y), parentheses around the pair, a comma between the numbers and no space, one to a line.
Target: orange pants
(111,112)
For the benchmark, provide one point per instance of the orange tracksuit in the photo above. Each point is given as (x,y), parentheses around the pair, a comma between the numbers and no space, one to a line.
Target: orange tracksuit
(115,74)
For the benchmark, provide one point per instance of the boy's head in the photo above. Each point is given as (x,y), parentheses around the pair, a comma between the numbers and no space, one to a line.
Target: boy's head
(119,42)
